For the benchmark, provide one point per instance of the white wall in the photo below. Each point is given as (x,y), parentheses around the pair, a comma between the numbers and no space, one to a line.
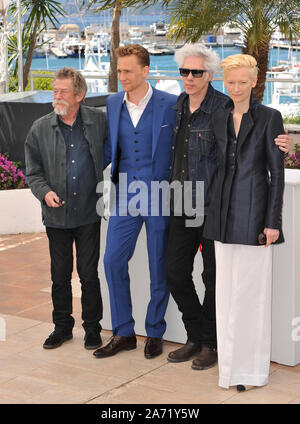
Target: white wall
(20,212)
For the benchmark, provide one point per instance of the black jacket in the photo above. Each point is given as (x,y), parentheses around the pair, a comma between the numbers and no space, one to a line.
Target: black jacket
(202,146)
(45,156)
(256,191)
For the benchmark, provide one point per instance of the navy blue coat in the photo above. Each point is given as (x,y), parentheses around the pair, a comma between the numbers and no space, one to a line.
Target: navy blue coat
(256,192)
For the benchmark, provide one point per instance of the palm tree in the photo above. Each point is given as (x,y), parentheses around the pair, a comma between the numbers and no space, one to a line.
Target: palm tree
(114,44)
(37,14)
(116,6)
(257,20)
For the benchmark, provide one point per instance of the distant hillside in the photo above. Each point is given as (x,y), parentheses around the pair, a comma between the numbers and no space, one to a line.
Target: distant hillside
(72,7)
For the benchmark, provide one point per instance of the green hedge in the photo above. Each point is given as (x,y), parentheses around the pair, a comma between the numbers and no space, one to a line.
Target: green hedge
(292,120)
(38,83)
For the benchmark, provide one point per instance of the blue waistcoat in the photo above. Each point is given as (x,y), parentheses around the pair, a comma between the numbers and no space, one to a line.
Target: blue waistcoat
(135,145)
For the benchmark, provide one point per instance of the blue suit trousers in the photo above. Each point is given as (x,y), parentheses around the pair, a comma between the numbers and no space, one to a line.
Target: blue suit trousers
(121,240)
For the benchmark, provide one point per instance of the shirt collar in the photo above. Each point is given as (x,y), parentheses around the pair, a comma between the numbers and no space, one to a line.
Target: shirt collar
(144,100)
(76,122)
(206,104)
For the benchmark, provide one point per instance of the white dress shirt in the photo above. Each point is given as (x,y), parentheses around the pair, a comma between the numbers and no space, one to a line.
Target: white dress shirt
(136,111)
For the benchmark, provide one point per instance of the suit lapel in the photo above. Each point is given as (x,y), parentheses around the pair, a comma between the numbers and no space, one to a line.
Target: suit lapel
(158,115)
(220,124)
(114,119)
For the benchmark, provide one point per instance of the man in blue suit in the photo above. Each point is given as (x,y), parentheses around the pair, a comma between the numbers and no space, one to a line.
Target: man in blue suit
(140,122)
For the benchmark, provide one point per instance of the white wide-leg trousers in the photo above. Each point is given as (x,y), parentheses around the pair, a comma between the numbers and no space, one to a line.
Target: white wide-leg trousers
(243,313)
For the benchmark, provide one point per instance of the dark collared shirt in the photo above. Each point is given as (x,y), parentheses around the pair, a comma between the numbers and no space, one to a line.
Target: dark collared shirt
(230,172)
(180,168)
(80,177)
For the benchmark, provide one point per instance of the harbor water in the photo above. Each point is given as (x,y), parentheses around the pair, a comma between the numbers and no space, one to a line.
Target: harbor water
(167,63)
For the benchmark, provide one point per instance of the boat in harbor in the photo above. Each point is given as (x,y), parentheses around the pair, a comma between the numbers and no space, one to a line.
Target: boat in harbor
(168,85)
(239,41)
(135,35)
(287,109)
(56,51)
(286,90)
(155,49)
(278,40)
(95,72)
(100,42)
(159,28)
(72,45)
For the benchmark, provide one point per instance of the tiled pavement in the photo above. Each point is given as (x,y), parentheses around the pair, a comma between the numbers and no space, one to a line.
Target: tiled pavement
(71,375)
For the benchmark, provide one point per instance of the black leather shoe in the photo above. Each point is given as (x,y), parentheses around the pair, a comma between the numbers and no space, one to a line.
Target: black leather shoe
(153,347)
(92,339)
(242,388)
(115,345)
(207,358)
(184,353)
(56,339)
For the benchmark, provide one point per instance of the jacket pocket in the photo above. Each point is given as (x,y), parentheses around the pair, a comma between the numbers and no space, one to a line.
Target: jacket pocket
(206,143)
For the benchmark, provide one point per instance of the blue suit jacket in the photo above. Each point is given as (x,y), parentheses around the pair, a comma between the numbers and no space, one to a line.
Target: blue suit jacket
(163,123)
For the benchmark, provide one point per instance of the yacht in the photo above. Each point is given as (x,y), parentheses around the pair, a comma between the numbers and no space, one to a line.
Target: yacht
(100,42)
(286,95)
(159,28)
(239,42)
(93,68)
(135,35)
(72,45)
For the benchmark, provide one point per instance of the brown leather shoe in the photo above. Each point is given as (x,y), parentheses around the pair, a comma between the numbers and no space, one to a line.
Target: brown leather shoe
(184,353)
(207,358)
(153,347)
(114,346)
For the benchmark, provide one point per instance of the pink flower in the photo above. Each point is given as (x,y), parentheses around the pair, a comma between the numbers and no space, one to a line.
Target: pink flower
(10,175)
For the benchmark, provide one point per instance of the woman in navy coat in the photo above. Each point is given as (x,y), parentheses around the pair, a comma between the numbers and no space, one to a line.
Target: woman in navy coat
(245,208)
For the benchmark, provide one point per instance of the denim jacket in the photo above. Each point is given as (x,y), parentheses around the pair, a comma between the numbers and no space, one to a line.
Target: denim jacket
(202,147)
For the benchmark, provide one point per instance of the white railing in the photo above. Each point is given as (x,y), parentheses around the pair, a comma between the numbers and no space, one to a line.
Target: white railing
(161,75)
(156,74)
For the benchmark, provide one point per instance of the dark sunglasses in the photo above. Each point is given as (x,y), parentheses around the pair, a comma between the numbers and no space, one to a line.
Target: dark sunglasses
(197,73)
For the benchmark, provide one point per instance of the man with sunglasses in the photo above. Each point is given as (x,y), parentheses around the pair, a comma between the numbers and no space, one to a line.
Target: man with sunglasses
(194,159)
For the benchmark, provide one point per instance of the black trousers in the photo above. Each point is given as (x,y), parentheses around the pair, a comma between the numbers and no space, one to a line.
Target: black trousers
(199,319)
(87,243)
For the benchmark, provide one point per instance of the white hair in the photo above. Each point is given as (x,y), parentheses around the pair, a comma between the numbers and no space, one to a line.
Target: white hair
(211,58)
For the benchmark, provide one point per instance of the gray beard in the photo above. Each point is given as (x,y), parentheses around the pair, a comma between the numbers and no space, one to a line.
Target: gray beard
(60,111)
